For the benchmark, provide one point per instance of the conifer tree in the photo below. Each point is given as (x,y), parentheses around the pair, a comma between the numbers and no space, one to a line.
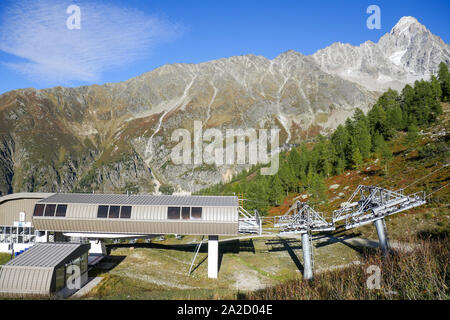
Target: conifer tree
(357,158)
(444,79)
(276,191)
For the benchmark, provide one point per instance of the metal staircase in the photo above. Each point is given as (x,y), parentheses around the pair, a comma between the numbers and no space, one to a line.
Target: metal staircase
(249,223)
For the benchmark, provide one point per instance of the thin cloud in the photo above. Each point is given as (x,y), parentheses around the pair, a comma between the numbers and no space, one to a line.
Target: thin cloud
(110,36)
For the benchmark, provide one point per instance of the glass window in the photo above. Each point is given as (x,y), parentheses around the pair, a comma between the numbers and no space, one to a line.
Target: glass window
(102,212)
(186,213)
(125,212)
(61,210)
(196,213)
(84,262)
(173,213)
(114,212)
(50,210)
(60,279)
(38,210)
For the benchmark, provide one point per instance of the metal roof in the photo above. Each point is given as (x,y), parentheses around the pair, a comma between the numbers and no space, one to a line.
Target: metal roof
(44,255)
(146,200)
(25,195)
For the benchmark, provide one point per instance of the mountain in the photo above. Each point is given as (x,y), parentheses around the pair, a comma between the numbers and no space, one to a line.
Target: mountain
(117,137)
(409,52)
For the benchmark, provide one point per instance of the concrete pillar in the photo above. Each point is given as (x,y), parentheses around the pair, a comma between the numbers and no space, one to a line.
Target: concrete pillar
(213,256)
(307,263)
(382,237)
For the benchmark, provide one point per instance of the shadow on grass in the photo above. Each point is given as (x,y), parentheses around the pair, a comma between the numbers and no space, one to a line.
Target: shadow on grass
(434,234)
(233,246)
(106,264)
(288,245)
(362,248)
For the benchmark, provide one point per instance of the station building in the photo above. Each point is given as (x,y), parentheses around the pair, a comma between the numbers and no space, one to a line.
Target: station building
(34,226)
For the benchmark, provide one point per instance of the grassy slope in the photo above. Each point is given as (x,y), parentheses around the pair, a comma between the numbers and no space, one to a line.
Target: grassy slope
(4,258)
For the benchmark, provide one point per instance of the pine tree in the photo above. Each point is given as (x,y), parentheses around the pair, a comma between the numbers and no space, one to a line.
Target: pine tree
(276,191)
(386,156)
(357,158)
(412,136)
(295,162)
(340,140)
(378,120)
(444,79)
(318,188)
(362,138)
(436,88)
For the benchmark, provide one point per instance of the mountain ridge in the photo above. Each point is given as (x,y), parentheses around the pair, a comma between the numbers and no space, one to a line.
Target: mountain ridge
(98,137)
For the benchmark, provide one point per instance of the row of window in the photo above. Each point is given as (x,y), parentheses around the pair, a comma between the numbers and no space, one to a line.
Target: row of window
(114,212)
(17,234)
(184,213)
(117,212)
(50,210)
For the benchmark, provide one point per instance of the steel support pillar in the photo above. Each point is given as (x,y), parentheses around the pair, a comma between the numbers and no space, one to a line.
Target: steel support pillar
(382,236)
(307,263)
(213,256)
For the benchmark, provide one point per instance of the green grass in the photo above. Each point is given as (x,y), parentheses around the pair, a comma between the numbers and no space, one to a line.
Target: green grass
(159,270)
(423,273)
(4,258)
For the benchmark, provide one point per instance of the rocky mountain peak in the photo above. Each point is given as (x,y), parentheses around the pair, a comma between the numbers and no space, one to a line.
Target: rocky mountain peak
(407,25)
(407,53)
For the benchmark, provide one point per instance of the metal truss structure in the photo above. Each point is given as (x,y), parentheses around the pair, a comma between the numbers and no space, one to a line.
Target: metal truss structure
(249,223)
(373,203)
(303,219)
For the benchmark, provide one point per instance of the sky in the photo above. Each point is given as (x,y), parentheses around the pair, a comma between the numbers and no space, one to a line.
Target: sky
(41,45)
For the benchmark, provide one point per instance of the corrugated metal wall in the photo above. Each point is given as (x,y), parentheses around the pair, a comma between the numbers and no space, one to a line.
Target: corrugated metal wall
(81,211)
(25,280)
(88,211)
(9,210)
(136,227)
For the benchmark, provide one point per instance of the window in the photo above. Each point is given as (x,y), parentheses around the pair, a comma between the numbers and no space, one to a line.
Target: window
(102,212)
(185,213)
(60,279)
(84,262)
(196,213)
(61,210)
(173,213)
(50,210)
(125,212)
(114,212)
(38,210)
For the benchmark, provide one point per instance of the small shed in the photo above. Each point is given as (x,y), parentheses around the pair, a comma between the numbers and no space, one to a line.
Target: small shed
(46,269)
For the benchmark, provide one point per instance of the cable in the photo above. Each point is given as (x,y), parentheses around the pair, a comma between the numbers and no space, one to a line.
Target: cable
(438,189)
(445,165)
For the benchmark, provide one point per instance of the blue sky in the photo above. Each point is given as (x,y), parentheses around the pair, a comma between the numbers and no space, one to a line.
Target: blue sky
(122,39)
